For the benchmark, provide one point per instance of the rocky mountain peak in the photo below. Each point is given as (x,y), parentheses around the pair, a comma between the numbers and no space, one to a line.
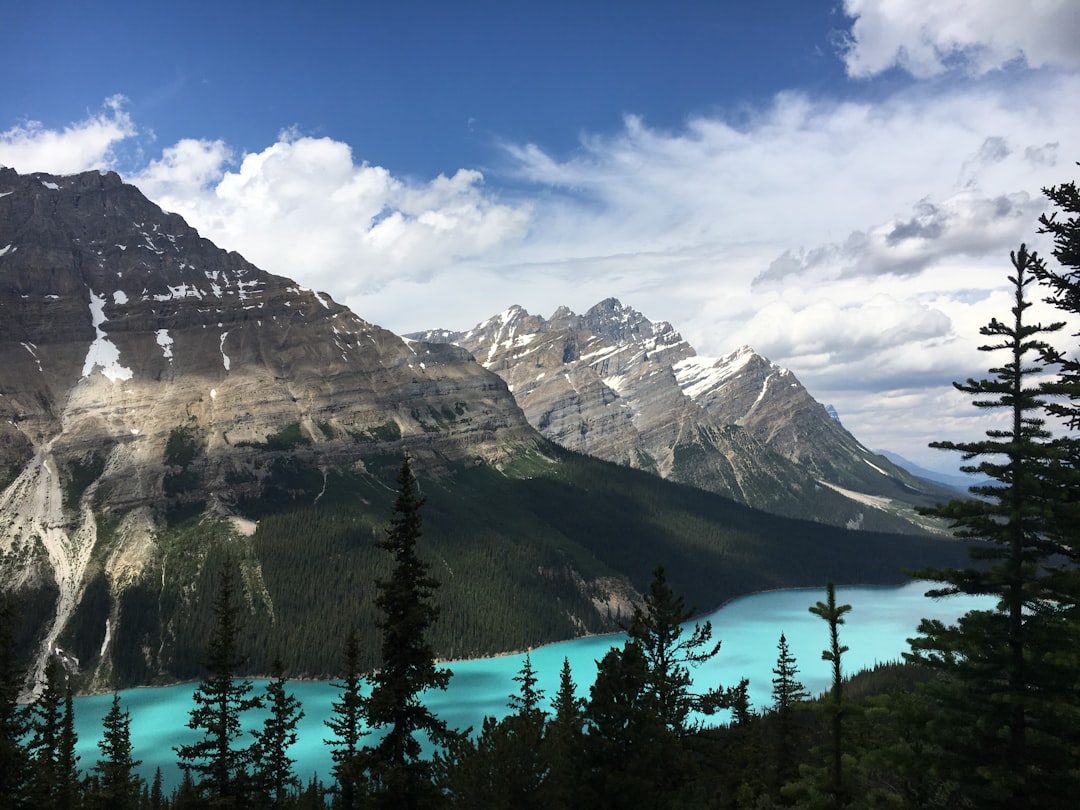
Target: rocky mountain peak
(615,384)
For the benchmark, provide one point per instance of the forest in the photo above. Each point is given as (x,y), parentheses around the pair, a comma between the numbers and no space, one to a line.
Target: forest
(981,714)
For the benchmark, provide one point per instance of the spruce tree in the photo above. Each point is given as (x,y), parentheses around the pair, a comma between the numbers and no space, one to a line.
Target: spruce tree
(46,718)
(218,759)
(400,776)
(657,630)
(563,743)
(116,786)
(347,723)
(787,692)
(1007,698)
(832,613)
(272,768)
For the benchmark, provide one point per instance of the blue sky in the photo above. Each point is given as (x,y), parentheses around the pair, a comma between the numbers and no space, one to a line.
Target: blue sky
(835,182)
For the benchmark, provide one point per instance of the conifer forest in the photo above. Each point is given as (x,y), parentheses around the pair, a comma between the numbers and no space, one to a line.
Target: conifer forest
(983,713)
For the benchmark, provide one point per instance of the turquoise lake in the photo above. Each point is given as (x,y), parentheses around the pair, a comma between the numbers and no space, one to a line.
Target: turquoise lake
(876,629)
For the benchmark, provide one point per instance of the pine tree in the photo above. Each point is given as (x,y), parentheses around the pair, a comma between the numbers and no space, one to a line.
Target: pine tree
(563,743)
(14,759)
(272,767)
(347,723)
(657,630)
(400,776)
(787,692)
(1008,695)
(221,700)
(116,786)
(46,718)
(68,788)
(834,615)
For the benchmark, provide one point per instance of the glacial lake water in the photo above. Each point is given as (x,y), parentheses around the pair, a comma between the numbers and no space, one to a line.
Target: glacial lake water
(875,630)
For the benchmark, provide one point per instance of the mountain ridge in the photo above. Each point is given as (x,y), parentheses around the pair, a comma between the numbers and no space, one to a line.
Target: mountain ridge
(614,384)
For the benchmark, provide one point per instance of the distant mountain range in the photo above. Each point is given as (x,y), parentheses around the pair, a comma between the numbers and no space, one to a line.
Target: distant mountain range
(167,408)
(617,386)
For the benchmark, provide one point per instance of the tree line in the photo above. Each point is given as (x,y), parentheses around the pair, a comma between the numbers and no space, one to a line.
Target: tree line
(982,714)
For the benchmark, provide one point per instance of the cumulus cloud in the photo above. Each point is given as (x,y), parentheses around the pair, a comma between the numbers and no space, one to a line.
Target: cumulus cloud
(302,207)
(87,144)
(927,39)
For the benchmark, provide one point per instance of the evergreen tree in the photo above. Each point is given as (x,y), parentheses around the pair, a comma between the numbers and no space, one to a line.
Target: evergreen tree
(787,692)
(563,743)
(14,759)
(400,776)
(157,792)
(46,718)
(221,700)
(347,723)
(1064,285)
(832,613)
(116,786)
(656,629)
(272,767)
(1007,702)
(68,788)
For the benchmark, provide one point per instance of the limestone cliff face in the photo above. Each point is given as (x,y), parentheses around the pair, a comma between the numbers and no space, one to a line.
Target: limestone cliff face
(613,384)
(121,328)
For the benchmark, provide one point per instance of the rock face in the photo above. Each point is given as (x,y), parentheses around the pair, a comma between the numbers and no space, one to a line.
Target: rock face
(142,367)
(613,384)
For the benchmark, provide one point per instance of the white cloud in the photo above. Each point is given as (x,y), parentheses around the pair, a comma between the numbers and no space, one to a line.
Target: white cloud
(926,39)
(88,144)
(303,208)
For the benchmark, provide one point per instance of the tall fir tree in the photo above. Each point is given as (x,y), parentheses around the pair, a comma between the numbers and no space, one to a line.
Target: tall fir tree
(273,778)
(115,784)
(787,693)
(46,718)
(68,785)
(400,776)
(1007,696)
(218,759)
(347,723)
(833,615)
(657,629)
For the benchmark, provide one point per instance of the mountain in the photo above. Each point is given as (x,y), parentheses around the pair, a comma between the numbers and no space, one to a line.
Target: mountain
(615,385)
(959,483)
(167,408)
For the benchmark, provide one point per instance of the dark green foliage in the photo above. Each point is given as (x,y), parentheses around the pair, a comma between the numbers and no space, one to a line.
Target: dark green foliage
(272,776)
(400,776)
(218,762)
(43,744)
(833,614)
(656,629)
(787,693)
(115,785)
(14,760)
(347,724)
(1064,286)
(506,765)
(1007,702)
(182,447)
